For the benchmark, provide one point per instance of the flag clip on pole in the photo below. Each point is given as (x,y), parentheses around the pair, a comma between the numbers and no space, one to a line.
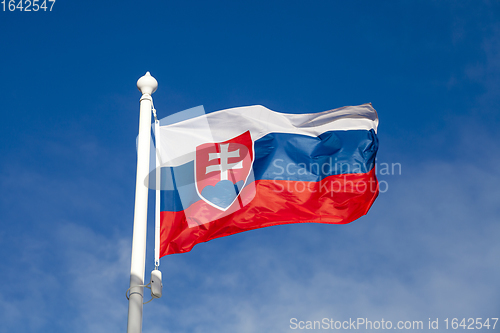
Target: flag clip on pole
(155,283)
(147,85)
(157,190)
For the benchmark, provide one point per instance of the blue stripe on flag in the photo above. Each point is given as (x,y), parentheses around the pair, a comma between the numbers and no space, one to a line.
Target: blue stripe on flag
(284,156)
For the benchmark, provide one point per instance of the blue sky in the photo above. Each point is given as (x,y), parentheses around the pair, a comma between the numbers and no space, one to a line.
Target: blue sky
(428,248)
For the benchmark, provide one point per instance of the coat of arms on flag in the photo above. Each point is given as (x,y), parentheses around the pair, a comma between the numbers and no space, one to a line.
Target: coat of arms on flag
(222,170)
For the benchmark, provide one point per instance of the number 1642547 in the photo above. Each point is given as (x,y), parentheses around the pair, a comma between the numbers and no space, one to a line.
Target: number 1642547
(27,5)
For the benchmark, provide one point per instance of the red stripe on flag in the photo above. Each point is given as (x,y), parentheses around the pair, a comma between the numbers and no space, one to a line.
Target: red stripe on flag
(337,199)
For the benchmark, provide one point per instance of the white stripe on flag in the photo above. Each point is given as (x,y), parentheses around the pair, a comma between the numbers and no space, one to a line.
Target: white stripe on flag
(179,140)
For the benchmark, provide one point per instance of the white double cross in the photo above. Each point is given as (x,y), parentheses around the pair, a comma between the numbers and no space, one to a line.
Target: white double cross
(224,156)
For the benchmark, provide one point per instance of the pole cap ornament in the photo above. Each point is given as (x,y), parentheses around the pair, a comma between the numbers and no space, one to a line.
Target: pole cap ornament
(147,84)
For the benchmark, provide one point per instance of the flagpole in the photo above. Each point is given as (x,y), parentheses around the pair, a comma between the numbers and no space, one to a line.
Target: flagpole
(147,85)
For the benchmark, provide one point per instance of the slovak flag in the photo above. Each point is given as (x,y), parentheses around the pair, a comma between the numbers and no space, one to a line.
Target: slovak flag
(246,168)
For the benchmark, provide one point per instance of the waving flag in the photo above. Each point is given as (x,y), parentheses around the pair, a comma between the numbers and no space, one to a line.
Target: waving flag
(245,168)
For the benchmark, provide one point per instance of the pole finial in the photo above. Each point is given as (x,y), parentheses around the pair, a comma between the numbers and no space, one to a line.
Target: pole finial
(147,84)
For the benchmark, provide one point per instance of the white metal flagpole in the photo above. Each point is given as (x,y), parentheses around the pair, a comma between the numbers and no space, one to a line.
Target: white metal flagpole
(147,85)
